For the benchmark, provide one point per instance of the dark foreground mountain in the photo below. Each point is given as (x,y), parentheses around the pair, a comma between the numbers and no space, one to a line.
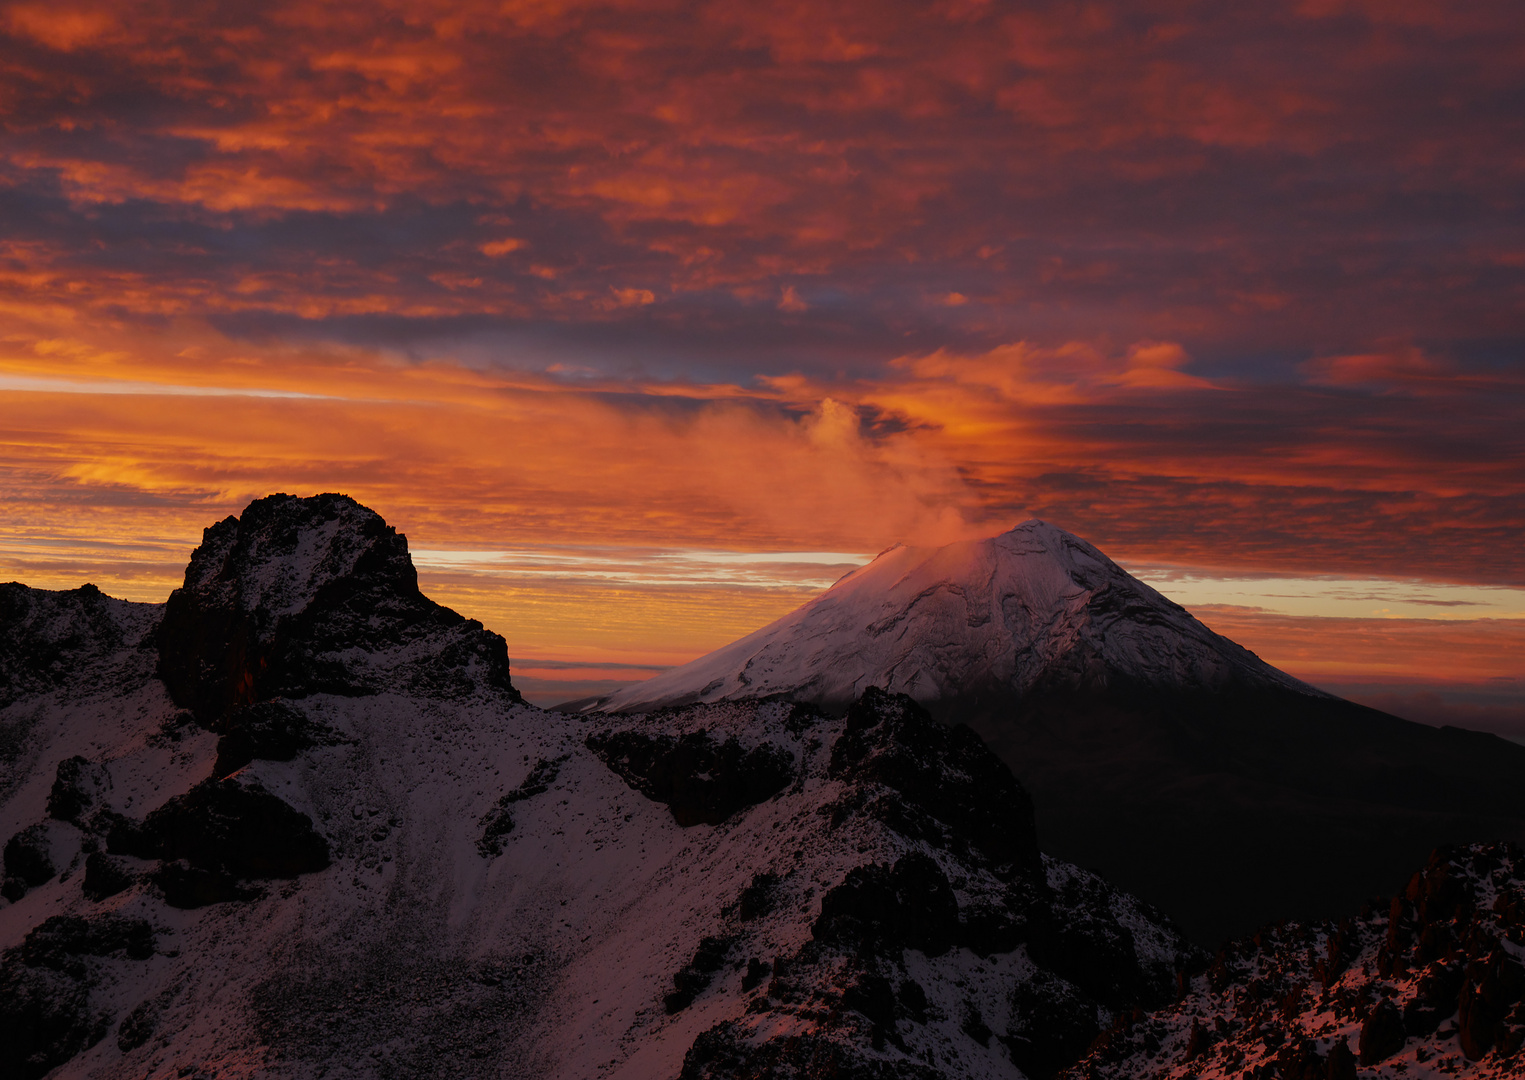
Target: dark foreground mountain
(298,823)
(1172,760)
(1430,984)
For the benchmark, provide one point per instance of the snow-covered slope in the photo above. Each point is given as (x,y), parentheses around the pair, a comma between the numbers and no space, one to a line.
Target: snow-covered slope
(1033,608)
(303,826)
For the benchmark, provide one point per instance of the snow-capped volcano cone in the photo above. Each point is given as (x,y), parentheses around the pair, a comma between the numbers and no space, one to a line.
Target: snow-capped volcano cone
(1173,760)
(1031,610)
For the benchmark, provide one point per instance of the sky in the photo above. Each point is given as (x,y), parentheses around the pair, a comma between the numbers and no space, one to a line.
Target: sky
(646,320)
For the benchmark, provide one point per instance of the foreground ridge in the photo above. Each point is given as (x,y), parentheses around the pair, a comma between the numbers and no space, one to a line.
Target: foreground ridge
(1431,984)
(297,822)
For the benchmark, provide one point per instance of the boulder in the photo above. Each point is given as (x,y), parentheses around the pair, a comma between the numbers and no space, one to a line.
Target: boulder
(222,830)
(694,977)
(703,780)
(79,785)
(28,862)
(105,876)
(1382,1034)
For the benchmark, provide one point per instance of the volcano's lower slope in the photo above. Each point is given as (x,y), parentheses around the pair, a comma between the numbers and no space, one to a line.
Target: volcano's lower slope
(1164,755)
(301,825)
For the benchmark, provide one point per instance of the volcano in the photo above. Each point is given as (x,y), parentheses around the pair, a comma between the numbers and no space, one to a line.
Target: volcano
(1164,755)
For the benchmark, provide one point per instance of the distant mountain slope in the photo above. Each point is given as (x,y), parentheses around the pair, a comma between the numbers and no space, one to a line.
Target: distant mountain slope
(1158,752)
(1032,610)
(297,823)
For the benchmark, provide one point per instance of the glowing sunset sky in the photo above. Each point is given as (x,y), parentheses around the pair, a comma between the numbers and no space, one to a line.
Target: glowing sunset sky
(591,299)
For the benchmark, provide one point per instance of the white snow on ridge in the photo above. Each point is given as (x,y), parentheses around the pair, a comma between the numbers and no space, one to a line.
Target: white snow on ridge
(1029,605)
(552,958)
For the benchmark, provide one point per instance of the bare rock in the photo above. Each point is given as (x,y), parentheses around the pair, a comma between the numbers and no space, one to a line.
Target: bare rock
(695,977)
(879,908)
(78,788)
(218,832)
(1382,1034)
(28,862)
(949,774)
(498,822)
(47,1013)
(267,731)
(317,595)
(105,876)
(703,780)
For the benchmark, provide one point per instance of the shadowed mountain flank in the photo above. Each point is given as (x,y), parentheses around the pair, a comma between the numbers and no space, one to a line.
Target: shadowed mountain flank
(1166,756)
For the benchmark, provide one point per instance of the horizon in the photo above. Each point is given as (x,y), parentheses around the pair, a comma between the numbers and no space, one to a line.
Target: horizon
(1367,671)
(635,316)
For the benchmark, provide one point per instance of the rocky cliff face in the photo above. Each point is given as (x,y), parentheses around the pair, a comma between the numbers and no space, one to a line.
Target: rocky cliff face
(309,829)
(1429,984)
(305,596)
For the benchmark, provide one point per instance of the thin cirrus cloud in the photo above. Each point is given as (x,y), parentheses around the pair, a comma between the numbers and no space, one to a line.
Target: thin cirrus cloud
(1234,286)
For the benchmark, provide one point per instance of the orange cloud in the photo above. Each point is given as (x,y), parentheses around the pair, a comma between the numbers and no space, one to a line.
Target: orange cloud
(494,248)
(63,28)
(537,273)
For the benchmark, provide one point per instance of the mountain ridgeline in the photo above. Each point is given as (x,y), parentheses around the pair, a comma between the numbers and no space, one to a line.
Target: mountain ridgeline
(297,822)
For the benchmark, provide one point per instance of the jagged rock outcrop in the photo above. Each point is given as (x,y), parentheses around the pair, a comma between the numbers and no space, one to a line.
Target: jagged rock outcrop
(702,780)
(1432,980)
(921,950)
(301,596)
(955,789)
(888,909)
(48,1009)
(220,832)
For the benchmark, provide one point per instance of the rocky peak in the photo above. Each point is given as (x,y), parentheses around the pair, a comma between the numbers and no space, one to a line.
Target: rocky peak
(313,595)
(283,551)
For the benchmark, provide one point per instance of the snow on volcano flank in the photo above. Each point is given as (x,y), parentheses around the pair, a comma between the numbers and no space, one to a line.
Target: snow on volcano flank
(1166,757)
(1035,608)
